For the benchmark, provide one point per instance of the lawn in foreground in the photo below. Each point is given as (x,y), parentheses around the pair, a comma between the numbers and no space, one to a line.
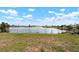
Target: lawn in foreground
(20,42)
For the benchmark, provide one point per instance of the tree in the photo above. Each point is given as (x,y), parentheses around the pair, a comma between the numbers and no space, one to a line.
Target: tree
(29,25)
(69,28)
(4,27)
(7,27)
(77,26)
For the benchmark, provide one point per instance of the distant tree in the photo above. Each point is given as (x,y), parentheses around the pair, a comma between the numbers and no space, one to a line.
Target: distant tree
(69,28)
(4,27)
(7,27)
(77,26)
(29,25)
(46,25)
(62,27)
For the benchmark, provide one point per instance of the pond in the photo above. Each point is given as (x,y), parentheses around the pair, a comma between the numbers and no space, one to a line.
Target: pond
(34,30)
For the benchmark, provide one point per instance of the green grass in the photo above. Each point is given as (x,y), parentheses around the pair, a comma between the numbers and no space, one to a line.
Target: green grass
(22,42)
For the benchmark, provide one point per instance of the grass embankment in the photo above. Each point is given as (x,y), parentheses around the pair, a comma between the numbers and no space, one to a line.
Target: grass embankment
(19,42)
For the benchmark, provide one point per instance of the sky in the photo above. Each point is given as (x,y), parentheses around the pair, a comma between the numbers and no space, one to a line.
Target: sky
(39,15)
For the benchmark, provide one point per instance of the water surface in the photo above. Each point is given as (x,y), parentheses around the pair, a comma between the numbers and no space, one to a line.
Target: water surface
(34,30)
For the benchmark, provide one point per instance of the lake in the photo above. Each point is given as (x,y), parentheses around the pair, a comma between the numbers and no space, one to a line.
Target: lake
(34,30)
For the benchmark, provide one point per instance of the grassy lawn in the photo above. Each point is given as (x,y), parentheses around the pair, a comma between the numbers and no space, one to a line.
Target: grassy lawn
(21,42)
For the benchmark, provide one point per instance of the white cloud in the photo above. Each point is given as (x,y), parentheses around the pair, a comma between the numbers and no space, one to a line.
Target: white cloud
(12,20)
(9,17)
(47,21)
(57,14)
(62,10)
(50,12)
(69,18)
(74,14)
(9,12)
(3,11)
(31,9)
(29,16)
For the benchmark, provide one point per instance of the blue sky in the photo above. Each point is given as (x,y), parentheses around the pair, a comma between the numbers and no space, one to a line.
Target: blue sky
(39,15)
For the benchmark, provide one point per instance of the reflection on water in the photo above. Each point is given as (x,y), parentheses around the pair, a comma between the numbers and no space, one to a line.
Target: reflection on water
(34,30)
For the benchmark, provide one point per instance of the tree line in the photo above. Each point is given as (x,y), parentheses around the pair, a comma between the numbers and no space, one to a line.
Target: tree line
(70,28)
